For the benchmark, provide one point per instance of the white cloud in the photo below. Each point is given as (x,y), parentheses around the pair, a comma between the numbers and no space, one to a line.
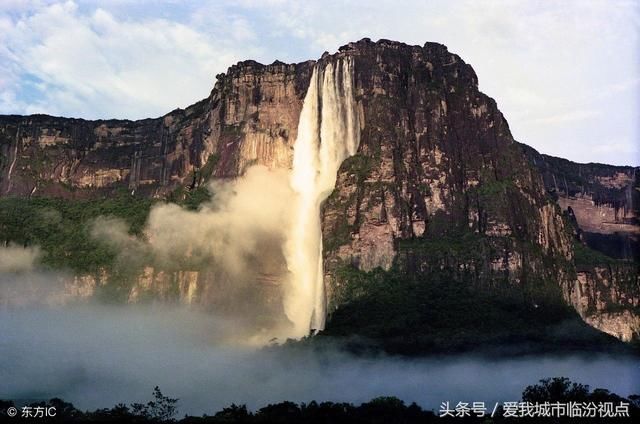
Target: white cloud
(96,65)
(568,116)
(17,258)
(559,71)
(572,64)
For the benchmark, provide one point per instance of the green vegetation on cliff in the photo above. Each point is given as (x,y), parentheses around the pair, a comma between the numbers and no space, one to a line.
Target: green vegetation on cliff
(441,311)
(62,228)
(585,256)
(442,295)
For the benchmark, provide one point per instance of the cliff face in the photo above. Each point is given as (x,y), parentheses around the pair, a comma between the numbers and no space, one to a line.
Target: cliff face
(438,183)
(608,298)
(602,202)
(249,118)
(437,164)
(47,156)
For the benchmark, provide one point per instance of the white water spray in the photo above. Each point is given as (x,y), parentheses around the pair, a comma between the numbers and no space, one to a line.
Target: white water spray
(328,133)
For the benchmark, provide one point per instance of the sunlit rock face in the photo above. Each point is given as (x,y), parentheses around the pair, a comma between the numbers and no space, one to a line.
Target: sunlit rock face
(435,162)
(607,297)
(250,117)
(259,110)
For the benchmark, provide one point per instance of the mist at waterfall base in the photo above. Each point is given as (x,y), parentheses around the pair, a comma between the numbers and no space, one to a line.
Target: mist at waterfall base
(97,356)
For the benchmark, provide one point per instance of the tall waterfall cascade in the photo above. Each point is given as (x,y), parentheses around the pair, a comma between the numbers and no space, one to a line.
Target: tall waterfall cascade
(328,133)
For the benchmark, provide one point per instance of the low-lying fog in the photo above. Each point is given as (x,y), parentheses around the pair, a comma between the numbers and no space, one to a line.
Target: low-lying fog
(99,356)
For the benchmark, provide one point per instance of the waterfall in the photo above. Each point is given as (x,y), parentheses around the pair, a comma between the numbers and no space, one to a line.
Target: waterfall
(328,133)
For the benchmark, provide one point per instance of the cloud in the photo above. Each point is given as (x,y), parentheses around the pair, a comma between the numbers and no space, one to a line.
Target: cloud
(539,60)
(118,354)
(568,116)
(98,65)
(622,147)
(243,219)
(235,242)
(23,283)
(18,259)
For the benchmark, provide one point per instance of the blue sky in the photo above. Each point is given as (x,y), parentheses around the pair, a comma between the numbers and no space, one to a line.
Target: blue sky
(565,74)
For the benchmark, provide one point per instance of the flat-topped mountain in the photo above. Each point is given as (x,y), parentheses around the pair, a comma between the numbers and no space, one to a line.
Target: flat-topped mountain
(439,222)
